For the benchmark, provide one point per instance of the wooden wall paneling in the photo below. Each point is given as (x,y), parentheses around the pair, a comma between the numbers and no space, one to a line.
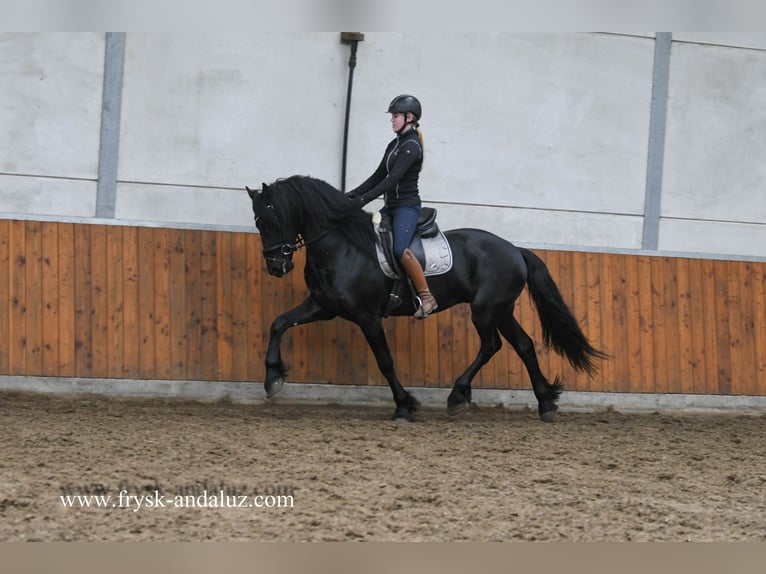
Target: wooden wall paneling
(88,300)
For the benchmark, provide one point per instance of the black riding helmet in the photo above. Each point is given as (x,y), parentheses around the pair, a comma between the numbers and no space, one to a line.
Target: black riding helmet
(404,104)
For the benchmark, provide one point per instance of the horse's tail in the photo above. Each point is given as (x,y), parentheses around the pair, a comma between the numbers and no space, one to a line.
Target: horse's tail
(560,328)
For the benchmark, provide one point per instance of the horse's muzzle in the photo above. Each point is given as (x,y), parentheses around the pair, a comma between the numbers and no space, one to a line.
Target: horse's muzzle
(280,268)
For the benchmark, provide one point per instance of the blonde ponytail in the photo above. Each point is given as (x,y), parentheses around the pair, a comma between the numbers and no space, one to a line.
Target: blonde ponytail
(422,146)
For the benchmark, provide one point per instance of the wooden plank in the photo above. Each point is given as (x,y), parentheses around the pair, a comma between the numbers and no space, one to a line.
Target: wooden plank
(177,303)
(723,305)
(697,325)
(162,311)
(50,299)
(257,334)
(209,304)
(633,325)
(711,327)
(99,304)
(6,304)
(736,328)
(131,366)
(748,384)
(672,383)
(115,302)
(580,310)
(609,368)
(685,333)
(239,306)
(646,375)
(82,303)
(593,274)
(415,339)
(67,335)
(619,314)
(759,312)
(445,345)
(18,298)
(34,297)
(431,358)
(146,304)
(659,331)
(407,341)
(223,304)
(193,300)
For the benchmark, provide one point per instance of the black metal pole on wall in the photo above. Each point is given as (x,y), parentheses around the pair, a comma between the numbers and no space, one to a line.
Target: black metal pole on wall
(352,38)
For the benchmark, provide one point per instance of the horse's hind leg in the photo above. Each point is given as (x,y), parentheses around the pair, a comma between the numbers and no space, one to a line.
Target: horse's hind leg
(485,321)
(547,394)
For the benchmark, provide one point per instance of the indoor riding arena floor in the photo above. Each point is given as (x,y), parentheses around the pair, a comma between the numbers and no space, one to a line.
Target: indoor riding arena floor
(490,474)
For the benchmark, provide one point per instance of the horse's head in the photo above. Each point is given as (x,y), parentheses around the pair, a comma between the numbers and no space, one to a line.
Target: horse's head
(277,236)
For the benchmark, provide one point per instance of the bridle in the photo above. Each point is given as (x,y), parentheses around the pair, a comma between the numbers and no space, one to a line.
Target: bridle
(285,248)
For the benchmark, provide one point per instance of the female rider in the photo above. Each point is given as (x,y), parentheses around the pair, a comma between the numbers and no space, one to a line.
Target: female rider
(396,179)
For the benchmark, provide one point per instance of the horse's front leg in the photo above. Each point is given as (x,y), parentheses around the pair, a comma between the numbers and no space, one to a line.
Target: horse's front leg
(406,404)
(307,312)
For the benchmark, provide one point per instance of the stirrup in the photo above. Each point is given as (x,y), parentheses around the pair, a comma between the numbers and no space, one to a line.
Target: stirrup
(421,313)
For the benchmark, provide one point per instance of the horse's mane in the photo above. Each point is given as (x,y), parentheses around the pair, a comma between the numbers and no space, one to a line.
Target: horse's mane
(302,196)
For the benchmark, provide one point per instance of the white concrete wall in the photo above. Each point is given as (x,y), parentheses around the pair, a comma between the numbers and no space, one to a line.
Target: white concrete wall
(714,188)
(50,112)
(541,138)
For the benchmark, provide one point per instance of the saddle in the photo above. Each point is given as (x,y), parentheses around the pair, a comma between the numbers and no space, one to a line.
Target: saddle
(429,245)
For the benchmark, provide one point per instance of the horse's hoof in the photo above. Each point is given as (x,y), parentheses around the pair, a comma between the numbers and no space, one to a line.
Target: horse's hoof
(413,404)
(454,410)
(548,416)
(403,416)
(273,387)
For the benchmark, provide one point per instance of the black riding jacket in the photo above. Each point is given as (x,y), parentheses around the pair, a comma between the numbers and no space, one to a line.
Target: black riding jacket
(396,178)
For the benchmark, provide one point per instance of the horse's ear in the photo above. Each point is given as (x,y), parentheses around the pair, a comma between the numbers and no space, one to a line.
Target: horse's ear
(251,192)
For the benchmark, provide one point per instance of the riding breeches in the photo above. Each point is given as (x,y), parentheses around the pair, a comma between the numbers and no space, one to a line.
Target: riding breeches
(404,222)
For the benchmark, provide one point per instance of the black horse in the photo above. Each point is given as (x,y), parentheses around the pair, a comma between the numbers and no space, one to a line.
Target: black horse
(344,279)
